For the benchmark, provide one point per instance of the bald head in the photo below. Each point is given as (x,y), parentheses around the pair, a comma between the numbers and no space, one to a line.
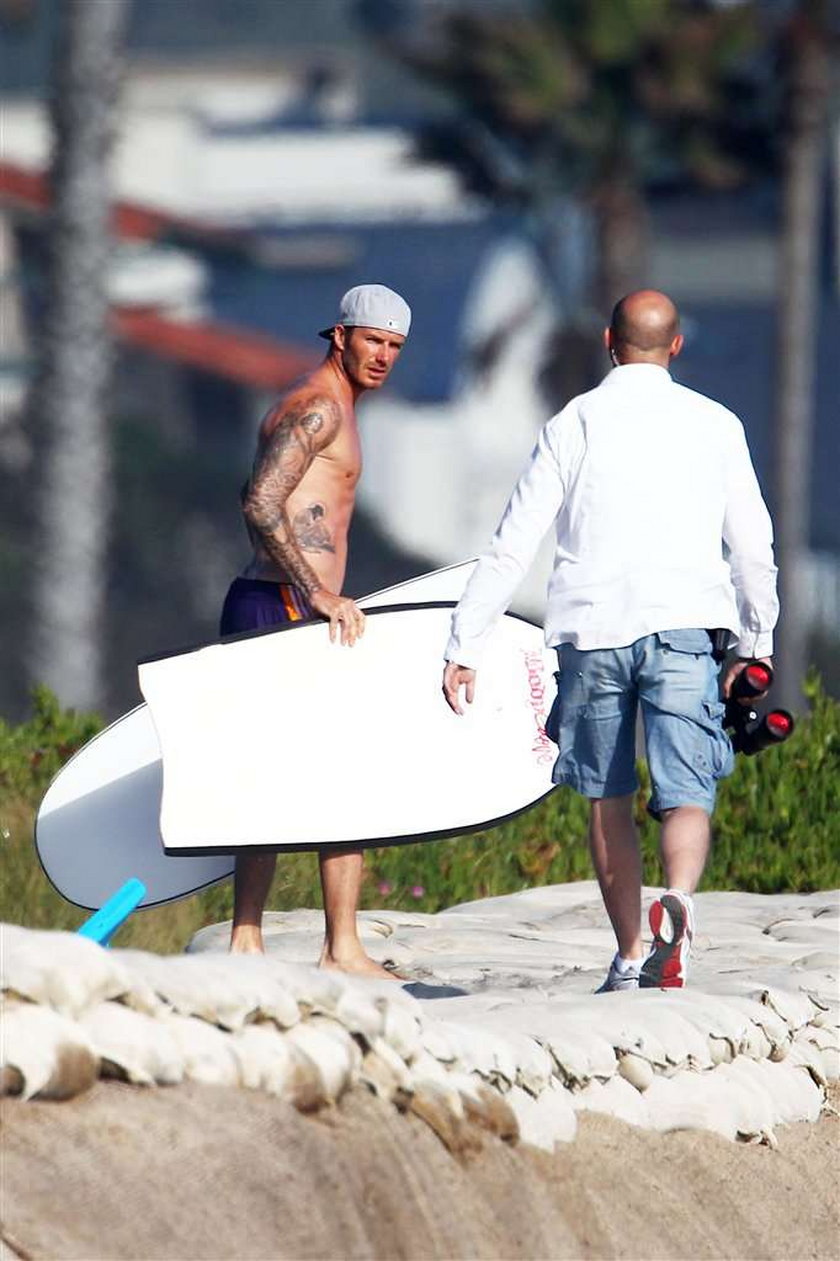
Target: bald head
(645,328)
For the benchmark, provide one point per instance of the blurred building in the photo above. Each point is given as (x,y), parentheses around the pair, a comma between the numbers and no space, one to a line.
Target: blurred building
(252,191)
(242,217)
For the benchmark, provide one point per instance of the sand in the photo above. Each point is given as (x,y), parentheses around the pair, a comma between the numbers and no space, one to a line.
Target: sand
(495,1107)
(205,1172)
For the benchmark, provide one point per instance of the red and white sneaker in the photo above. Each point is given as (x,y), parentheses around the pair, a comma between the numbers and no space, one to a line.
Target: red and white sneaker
(672,924)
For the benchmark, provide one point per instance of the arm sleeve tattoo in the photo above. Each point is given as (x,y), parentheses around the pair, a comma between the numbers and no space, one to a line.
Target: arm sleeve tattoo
(282,459)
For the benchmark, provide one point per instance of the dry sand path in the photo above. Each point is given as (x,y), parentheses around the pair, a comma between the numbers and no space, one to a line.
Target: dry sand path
(205,1172)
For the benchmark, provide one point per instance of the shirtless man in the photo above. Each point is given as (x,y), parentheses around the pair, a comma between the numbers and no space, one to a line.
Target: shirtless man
(297,506)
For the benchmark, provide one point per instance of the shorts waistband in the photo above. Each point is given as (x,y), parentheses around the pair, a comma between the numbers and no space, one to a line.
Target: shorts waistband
(294,600)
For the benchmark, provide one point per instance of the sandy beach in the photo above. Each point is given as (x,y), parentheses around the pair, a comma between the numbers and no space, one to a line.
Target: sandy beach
(205,1172)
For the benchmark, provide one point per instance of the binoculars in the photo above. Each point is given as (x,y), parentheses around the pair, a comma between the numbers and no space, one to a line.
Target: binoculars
(750,733)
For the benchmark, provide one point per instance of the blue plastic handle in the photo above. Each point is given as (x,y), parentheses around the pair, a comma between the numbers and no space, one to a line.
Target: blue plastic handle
(104,923)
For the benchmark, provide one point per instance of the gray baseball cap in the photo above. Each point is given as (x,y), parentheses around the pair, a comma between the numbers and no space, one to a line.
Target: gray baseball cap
(372,306)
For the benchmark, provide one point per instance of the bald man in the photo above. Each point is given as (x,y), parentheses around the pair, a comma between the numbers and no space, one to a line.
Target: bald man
(661,536)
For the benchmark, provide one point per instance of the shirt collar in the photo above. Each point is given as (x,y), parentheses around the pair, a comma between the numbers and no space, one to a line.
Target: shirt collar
(638,374)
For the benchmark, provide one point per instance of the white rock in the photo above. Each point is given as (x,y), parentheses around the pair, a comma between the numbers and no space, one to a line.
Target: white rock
(209,1054)
(427,1067)
(51,1055)
(693,1101)
(794,1007)
(579,1052)
(481,1050)
(616,1098)
(806,1055)
(385,1072)
(332,1050)
(546,1121)
(361,1012)
(636,1070)
(264,1058)
(721,1050)
(60,970)
(435,1042)
(226,990)
(142,1048)
(795,1094)
(443,1090)
(401,1030)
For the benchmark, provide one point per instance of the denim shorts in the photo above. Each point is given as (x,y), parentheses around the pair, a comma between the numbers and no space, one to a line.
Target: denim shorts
(674,678)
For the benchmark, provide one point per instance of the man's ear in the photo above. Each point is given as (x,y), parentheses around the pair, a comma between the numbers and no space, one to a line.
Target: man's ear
(339,336)
(676,346)
(607,339)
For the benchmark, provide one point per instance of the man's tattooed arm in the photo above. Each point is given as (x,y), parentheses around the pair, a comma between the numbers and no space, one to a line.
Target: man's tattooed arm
(281,462)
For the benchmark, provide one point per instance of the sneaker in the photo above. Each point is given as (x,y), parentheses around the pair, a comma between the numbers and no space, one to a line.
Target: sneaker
(672,924)
(628,980)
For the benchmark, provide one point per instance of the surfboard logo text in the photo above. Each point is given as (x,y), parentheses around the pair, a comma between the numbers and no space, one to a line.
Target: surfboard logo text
(542,748)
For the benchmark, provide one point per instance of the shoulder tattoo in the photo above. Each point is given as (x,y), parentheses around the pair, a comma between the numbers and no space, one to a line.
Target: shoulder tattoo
(286,453)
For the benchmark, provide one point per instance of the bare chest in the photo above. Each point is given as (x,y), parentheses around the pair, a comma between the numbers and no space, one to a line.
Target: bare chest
(342,459)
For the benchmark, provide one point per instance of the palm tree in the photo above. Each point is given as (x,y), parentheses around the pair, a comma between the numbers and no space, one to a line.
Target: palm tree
(808,41)
(68,399)
(589,101)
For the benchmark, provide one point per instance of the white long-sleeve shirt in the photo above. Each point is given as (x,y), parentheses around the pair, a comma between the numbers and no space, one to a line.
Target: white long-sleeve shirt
(659,523)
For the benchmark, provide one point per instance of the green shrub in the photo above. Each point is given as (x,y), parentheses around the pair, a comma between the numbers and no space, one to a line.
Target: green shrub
(776,828)
(777,822)
(31,754)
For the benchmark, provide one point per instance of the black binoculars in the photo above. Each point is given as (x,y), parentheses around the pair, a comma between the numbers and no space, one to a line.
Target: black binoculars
(750,733)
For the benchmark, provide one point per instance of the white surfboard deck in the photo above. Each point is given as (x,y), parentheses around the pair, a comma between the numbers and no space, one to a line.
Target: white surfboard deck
(98,823)
(288,741)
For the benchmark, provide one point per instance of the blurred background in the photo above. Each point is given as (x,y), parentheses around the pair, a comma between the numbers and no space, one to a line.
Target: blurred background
(187,187)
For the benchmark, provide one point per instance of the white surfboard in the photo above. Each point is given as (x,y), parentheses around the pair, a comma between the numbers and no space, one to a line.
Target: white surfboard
(288,741)
(98,823)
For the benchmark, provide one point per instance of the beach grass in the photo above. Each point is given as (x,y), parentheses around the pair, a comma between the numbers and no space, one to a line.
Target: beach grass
(776,829)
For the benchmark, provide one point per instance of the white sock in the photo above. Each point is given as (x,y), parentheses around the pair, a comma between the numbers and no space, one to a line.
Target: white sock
(623,966)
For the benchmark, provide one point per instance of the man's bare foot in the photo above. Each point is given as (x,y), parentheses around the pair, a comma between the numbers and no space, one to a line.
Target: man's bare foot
(357,964)
(246,939)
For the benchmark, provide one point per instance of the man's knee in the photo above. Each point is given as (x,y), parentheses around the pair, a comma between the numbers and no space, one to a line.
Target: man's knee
(687,811)
(613,807)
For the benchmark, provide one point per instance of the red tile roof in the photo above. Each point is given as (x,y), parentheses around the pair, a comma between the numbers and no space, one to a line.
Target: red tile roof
(238,354)
(249,358)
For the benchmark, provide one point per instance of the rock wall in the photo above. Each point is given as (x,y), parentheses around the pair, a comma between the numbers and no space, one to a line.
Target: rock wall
(498,1033)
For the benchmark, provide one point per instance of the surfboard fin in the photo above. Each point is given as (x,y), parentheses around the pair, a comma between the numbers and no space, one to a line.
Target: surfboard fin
(104,923)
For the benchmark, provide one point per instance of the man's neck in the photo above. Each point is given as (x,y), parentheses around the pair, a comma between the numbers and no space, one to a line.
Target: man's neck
(656,361)
(349,390)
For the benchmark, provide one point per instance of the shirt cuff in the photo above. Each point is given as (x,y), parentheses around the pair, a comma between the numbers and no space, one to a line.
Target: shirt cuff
(461,656)
(755,645)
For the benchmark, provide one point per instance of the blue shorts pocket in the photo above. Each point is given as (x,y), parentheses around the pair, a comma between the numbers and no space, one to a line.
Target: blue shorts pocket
(696,642)
(723,758)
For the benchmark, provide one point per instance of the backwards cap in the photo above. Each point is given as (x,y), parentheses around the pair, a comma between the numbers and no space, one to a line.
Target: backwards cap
(372,306)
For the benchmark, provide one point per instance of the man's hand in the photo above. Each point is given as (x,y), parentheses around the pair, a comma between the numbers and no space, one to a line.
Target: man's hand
(343,614)
(737,668)
(454,678)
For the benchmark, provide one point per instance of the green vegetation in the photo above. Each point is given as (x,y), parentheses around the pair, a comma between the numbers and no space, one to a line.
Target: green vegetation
(777,828)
